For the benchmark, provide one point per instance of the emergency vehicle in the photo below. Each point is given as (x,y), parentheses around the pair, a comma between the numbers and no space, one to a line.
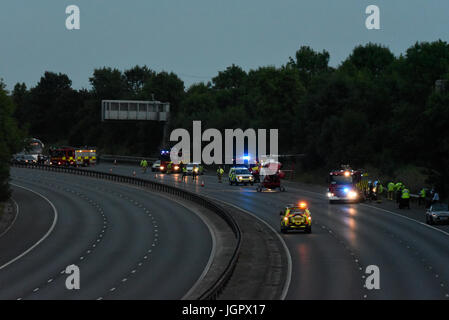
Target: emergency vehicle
(85,156)
(296,217)
(347,185)
(63,156)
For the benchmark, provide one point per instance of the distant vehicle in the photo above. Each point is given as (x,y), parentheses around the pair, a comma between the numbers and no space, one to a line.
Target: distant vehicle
(296,217)
(347,185)
(23,159)
(64,156)
(190,167)
(164,159)
(156,165)
(85,156)
(272,175)
(437,213)
(240,175)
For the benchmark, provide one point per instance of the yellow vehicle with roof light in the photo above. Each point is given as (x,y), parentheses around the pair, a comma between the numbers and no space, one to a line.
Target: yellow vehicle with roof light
(296,217)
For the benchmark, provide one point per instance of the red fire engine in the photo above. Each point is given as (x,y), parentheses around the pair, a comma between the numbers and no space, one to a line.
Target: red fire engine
(347,185)
(64,156)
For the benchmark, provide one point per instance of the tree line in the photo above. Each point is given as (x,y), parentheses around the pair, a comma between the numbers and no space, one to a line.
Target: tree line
(374,109)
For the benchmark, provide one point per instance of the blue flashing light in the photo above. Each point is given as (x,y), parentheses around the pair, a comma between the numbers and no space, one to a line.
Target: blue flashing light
(346,190)
(246,157)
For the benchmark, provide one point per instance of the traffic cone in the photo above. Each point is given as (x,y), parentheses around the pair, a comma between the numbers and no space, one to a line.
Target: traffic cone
(202,183)
(134,173)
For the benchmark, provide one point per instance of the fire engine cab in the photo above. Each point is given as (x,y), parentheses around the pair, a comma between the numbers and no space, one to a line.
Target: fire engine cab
(347,185)
(64,156)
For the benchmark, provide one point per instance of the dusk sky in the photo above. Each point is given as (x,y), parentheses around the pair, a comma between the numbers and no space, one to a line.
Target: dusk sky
(197,38)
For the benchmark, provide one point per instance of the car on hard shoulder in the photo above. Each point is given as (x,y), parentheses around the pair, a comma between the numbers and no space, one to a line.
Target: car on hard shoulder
(240,175)
(296,217)
(156,166)
(437,213)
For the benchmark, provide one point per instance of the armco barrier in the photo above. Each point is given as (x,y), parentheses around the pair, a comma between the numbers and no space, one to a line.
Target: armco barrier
(125,159)
(217,287)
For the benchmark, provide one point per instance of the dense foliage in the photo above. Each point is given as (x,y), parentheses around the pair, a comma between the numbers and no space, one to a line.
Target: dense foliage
(10,140)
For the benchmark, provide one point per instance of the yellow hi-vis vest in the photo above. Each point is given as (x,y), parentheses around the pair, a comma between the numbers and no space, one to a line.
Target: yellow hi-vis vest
(405,194)
(390,186)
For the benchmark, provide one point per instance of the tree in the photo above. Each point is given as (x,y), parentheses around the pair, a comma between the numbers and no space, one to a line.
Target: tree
(373,58)
(136,78)
(309,63)
(233,77)
(108,83)
(10,140)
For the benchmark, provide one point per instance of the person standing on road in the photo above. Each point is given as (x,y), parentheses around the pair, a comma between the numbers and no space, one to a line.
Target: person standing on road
(220,173)
(390,188)
(144,165)
(422,197)
(184,172)
(405,198)
(436,197)
(379,191)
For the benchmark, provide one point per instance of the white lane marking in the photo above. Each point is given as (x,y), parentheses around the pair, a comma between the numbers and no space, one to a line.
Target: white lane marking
(55,219)
(289,258)
(15,218)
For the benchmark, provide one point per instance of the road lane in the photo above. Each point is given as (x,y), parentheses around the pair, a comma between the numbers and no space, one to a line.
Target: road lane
(128,243)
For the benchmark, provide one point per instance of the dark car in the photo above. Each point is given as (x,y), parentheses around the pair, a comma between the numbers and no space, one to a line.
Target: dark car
(437,213)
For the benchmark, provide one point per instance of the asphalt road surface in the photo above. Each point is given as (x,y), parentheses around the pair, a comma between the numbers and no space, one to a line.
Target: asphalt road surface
(127,243)
(330,263)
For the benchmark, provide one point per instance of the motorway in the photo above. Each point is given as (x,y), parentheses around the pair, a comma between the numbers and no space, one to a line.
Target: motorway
(330,263)
(128,243)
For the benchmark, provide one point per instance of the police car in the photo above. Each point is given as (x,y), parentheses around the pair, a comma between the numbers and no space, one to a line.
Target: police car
(240,175)
(296,217)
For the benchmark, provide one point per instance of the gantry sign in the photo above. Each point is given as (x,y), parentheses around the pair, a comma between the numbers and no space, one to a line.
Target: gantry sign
(123,110)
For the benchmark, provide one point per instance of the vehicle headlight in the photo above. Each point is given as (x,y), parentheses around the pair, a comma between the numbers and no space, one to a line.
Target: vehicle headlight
(161,167)
(240,178)
(330,194)
(176,167)
(352,195)
(251,178)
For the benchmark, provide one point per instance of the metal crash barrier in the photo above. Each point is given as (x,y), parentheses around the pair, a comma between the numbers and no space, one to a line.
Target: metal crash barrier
(217,287)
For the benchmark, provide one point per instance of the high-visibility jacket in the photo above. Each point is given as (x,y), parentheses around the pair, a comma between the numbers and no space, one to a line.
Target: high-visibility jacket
(405,194)
(380,188)
(220,171)
(390,186)
(141,163)
(398,186)
(422,193)
(184,169)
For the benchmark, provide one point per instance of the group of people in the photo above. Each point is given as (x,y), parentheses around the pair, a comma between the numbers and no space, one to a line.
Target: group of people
(401,194)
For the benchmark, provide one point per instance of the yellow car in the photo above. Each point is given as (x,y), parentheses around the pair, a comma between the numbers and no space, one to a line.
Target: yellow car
(296,217)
